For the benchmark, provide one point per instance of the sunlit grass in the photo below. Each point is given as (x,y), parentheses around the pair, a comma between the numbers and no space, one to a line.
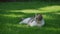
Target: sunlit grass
(12,15)
(17,25)
(57,13)
(51,8)
(40,10)
(26,11)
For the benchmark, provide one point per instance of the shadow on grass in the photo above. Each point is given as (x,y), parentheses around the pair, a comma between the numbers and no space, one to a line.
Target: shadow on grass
(25,5)
(53,20)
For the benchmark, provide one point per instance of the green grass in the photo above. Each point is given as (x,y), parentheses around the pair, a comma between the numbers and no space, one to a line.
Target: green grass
(12,12)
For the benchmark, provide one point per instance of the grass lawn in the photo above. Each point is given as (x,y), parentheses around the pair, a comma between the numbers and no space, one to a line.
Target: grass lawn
(12,12)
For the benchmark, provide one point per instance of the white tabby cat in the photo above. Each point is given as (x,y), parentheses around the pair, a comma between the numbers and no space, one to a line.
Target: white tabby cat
(35,21)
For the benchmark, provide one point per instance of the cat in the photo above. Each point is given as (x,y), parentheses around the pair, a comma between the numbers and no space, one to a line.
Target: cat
(37,20)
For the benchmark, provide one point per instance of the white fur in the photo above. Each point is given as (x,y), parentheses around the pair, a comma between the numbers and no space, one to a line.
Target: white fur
(33,23)
(25,21)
